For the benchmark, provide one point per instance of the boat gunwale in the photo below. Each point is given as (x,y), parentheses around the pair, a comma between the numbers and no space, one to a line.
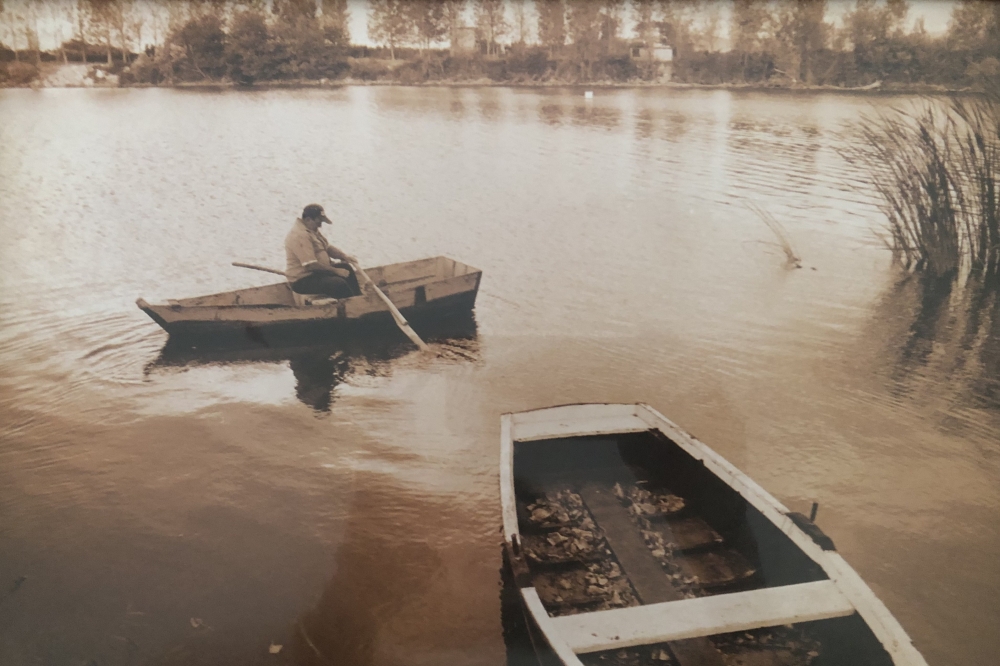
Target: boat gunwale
(875,614)
(176,304)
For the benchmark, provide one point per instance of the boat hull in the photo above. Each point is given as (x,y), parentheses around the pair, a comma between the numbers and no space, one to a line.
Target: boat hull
(423,291)
(688,553)
(277,324)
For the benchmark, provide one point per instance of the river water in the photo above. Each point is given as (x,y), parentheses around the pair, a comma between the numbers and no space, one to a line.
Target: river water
(162,508)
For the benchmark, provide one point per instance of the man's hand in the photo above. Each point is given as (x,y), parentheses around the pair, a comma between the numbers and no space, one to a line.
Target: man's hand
(340,272)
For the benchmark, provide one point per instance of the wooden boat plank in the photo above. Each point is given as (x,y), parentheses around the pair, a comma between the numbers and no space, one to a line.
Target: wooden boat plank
(643,570)
(450,286)
(406,271)
(255,314)
(507,500)
(718,568)
(690,533)
(703,616)
(573,413)
(526,432)
(270,294)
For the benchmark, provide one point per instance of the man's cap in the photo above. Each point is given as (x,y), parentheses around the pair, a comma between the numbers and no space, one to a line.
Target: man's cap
(315,212)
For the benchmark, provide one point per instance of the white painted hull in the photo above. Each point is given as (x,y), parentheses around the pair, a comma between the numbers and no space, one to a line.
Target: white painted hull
(562,639)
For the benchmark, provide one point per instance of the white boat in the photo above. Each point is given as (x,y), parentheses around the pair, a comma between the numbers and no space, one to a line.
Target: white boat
(628,541)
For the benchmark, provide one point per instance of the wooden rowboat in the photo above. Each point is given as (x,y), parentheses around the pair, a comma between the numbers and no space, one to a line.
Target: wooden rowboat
(627,541)
(423,288)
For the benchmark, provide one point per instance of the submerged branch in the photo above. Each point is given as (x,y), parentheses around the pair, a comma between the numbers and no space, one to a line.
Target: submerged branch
(792,260)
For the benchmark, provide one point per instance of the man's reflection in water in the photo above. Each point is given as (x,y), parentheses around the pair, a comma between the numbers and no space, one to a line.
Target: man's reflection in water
(316,375)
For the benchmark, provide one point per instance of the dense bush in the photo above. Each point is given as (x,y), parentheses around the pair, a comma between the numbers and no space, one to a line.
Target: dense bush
(532,63)
(367,69)
(18,73)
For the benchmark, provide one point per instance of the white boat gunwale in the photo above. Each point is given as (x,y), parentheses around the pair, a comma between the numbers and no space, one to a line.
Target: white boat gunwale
(595,419)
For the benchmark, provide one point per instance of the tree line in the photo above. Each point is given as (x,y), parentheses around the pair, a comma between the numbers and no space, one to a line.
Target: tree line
(770,43)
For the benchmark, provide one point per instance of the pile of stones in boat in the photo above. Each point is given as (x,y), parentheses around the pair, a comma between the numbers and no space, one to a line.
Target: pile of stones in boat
(567,533)
(644,655)
(576,570)
(646,506)
(592,587)
(788,645)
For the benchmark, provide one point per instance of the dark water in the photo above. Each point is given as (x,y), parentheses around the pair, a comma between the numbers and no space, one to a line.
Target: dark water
(351,494)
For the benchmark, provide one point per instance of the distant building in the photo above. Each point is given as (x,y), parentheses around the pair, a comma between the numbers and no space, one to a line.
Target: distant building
(463,40)
(657,61)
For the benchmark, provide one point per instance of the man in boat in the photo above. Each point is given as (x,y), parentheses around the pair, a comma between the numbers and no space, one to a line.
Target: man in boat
(309,267)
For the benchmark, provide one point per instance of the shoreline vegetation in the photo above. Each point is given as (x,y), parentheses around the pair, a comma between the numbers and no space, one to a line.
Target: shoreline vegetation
(783,46)
(96,76)
(935,170)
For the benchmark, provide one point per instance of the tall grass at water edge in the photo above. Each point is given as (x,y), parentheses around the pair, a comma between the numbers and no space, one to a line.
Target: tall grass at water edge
(935,170)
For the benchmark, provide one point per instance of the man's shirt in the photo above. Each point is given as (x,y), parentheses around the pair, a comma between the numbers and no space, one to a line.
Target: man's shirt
(302,248)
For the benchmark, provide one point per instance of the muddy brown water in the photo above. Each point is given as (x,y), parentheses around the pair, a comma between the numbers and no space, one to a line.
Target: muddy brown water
(158,507)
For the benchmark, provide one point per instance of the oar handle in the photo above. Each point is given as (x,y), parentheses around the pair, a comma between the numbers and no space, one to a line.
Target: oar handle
(259,268)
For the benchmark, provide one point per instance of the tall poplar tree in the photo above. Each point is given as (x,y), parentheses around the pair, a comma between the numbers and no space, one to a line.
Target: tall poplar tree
(337,17)
(551,22)
(491,19)
(389,24)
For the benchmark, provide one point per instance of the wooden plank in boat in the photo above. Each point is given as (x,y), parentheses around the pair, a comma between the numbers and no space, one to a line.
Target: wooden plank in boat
(719,568)
(703,616)
(443,288)
(526,432)
(643,570)
(586,412)
(271,294)
(405,272)
(691,533)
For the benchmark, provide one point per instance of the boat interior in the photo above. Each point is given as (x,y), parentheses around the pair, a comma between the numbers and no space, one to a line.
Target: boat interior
(626,534)
(389,278)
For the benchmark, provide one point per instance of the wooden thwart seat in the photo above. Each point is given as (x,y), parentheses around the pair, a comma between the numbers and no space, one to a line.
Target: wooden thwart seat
(704,616)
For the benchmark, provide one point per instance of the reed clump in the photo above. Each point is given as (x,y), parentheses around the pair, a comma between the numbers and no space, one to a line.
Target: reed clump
(935,170)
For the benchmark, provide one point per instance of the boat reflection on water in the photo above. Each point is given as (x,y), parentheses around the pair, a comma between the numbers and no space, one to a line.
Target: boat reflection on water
(320,366)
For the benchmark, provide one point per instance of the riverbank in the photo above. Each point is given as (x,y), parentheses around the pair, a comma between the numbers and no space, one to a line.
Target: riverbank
(77,75)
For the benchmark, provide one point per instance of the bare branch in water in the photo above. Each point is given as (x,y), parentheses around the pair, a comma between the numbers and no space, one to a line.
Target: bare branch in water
(783,241)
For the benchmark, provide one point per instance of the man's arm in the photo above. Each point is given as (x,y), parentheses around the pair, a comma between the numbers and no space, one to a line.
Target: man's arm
(340,255)
(311,260)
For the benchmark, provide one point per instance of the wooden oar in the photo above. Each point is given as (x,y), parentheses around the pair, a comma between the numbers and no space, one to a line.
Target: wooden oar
(404,325)
(260,268)
(400,320)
